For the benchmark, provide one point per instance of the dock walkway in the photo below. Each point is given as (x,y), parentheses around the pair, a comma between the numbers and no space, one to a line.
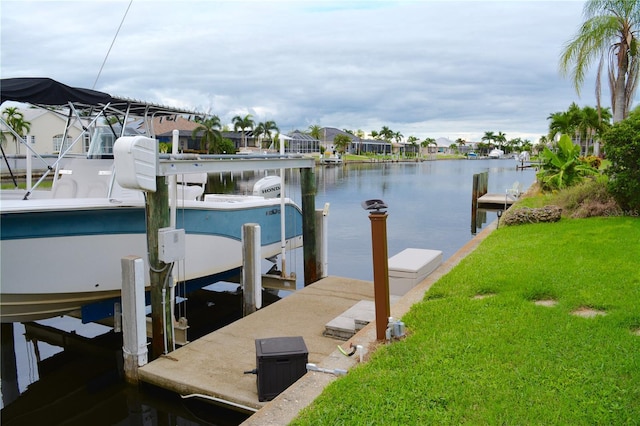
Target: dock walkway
(214,365)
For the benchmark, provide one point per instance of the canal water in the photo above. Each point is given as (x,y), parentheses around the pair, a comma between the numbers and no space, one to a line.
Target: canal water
(429,206)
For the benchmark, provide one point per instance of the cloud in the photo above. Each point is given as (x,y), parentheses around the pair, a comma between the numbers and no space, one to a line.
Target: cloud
(424,68)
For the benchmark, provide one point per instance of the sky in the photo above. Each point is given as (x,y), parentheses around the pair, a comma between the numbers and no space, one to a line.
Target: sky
(453,69)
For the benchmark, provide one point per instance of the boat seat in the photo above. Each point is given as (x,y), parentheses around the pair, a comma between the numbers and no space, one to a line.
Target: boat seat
(190,186)
(65,188)
(189,192)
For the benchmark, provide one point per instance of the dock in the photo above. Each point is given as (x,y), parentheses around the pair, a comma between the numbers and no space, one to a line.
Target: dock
(495,201)
(213,366)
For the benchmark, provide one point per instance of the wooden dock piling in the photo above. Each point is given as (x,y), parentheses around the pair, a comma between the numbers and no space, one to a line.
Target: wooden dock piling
(480,187)
(251,275)
(134,333)
(308,190)
(157,213)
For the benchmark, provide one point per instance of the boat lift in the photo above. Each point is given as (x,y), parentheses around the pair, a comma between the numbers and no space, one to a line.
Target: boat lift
(139,166)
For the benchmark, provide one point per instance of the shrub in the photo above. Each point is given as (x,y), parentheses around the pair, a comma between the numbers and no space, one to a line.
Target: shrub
(589,199)
(563,168)
(592,160)
(622,145)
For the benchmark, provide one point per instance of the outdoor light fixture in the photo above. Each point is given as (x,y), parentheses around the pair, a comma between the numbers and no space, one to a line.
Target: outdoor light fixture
(376,205)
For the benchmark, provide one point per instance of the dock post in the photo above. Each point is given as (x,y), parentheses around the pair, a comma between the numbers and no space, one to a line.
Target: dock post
(157,212)
(134,330)
(322,243)
(251,275)
(380,272)
(8,365)
(474,202)
(480,187)
(308,189)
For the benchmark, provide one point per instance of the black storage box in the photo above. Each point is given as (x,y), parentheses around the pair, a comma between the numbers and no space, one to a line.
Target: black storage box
(280,361)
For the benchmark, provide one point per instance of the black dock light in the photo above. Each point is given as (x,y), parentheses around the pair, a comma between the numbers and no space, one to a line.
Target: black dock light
(378,218)
(376,205)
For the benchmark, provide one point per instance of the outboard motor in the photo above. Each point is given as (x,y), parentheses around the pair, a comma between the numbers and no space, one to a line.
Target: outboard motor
(268,187)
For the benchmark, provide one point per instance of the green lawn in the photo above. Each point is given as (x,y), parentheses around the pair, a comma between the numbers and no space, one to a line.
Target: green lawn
(502,359)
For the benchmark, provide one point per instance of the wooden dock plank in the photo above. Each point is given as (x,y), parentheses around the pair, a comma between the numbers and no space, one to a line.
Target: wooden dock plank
(214,365)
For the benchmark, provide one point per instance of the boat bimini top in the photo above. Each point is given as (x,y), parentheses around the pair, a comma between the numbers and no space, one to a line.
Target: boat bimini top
(83,106)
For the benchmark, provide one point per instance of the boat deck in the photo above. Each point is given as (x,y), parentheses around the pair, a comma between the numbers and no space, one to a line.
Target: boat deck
(194,369)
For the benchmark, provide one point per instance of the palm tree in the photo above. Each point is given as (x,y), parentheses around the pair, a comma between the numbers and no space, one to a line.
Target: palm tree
(243,123)
(413,141)
(543,143)
(15,120)
(341,142)
(482,147)
(489,137)
(562,123)
(427,142)
(610,32)
(314,131)
(265,129)
(591,125)
(211,136)
(386,134)
(360,135)
(501,138)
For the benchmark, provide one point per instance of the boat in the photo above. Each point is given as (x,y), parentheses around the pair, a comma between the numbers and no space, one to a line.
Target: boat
(496,153)
(61,249)
(331,160)
(472,155)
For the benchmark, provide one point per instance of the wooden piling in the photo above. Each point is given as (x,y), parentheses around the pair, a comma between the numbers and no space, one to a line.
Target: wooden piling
(380,272)
(8,365)
(251,274)
(308,190)
(157,212)
(479,188)
(134,333)
(322,240)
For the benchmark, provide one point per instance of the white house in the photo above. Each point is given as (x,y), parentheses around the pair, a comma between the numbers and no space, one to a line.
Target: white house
(46,134)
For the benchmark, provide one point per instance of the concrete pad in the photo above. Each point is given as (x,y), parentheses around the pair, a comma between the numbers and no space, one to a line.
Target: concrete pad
(214,365)
(354,319)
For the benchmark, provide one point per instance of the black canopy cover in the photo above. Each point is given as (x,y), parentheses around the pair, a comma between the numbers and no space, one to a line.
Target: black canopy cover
(45,91)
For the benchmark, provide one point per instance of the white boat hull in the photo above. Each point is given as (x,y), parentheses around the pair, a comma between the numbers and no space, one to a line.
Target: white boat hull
(56,258)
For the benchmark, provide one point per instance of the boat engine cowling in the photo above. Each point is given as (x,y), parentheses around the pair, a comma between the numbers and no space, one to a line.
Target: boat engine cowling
(268,187)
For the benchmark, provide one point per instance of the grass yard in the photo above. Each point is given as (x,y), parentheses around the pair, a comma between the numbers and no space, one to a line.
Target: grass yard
(482,350)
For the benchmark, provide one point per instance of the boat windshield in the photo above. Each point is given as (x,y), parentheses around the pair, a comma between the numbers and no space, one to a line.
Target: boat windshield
(103,139)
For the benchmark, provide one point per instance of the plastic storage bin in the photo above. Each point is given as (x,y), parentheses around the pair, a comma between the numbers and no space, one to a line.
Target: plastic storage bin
(280,361)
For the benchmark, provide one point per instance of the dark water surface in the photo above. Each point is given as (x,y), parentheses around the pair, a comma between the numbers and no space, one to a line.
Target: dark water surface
(429,206)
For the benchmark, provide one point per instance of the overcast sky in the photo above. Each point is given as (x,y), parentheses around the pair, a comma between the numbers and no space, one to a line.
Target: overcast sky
(424,68)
